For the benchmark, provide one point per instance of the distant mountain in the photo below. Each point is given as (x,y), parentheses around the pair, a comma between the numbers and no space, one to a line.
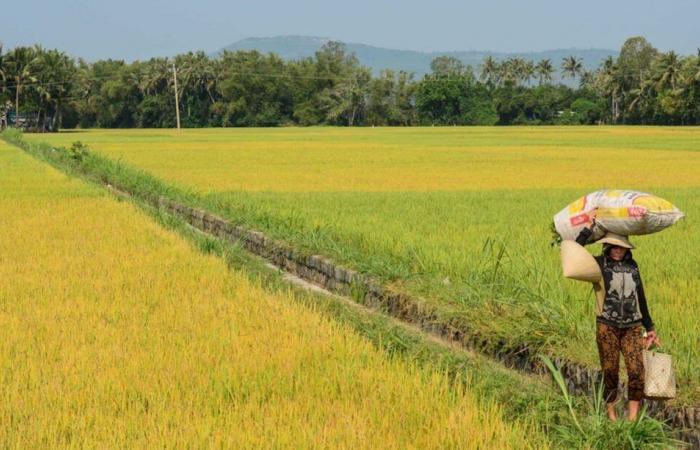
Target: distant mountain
(378,58)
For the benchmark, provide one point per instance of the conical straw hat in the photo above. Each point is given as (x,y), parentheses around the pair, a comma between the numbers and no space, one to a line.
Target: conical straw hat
(578,264)
(615,239)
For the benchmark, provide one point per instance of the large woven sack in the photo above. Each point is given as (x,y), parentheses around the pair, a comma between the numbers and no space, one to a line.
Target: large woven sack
(659,380)
(621,212)
(578,264)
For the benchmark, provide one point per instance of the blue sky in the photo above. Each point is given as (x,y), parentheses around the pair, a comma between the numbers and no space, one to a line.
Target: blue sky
(132,29)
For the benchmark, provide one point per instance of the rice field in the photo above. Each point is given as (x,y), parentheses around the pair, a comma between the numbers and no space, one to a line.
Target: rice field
(116,333)
(459,216)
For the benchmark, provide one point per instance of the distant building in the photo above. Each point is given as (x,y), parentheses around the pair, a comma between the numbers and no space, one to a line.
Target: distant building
(26,121)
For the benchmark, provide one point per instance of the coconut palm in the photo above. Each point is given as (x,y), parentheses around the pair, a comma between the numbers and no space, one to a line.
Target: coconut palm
(490,71)
(586,79)
(696,76)
(571,67)
(197,74)
(608,82)
(55,80)
(667,71)
(2,75)
(4,104)
(2,68)
(641,97)
(137,76)
(509,71)
(544,71)
(21,64)
(347,99)
(526,70)
(616,88)
(517,69)
(157,76)
(43,80)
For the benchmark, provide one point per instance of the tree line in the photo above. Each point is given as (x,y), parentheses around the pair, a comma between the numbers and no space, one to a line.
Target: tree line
(246,88)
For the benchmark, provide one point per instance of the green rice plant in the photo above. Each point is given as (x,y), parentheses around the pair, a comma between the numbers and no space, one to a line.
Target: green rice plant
(590,427)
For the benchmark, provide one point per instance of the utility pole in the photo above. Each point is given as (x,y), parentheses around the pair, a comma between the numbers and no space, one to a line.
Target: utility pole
(177,99)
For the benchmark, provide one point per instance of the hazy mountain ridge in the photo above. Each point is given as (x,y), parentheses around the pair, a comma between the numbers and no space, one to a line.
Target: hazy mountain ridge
(378,58)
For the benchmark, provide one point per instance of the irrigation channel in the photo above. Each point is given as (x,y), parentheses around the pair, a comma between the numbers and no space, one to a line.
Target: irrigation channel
(317,270)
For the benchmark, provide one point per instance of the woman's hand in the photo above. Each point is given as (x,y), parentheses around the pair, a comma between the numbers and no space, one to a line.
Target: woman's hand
(652,338)
(592,215)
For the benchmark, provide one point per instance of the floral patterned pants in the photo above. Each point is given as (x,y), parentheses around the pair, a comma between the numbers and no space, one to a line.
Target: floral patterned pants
(630,342)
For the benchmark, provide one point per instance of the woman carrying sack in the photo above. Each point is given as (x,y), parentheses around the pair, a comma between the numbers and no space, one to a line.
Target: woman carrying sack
(620,319)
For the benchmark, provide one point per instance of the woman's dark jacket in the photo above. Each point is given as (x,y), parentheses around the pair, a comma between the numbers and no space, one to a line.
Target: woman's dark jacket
(625,304)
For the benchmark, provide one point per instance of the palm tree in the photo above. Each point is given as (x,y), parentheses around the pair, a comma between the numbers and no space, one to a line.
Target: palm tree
(508,71)
(56,80)
(586,78)
(544,71)
(21,64)
(215,70)
(2,68)
(197,72)
(490,71)
(137,76)
(4,106)
(157,77)
(641,98)
(607,81)
(517,69)
(615,86)
(85,90)
(43,79)
(527,70)
(2,73)
(571,67)
(347,99)
(667,71)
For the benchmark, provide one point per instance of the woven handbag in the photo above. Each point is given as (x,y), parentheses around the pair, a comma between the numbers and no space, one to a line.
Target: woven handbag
(659,380)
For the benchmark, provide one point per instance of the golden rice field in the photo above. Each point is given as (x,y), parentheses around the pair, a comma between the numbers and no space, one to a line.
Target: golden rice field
(457,215)
(405,159)
(117,334)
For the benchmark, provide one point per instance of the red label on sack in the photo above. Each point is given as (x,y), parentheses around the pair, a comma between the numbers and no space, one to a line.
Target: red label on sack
(579,219)
(636,211)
